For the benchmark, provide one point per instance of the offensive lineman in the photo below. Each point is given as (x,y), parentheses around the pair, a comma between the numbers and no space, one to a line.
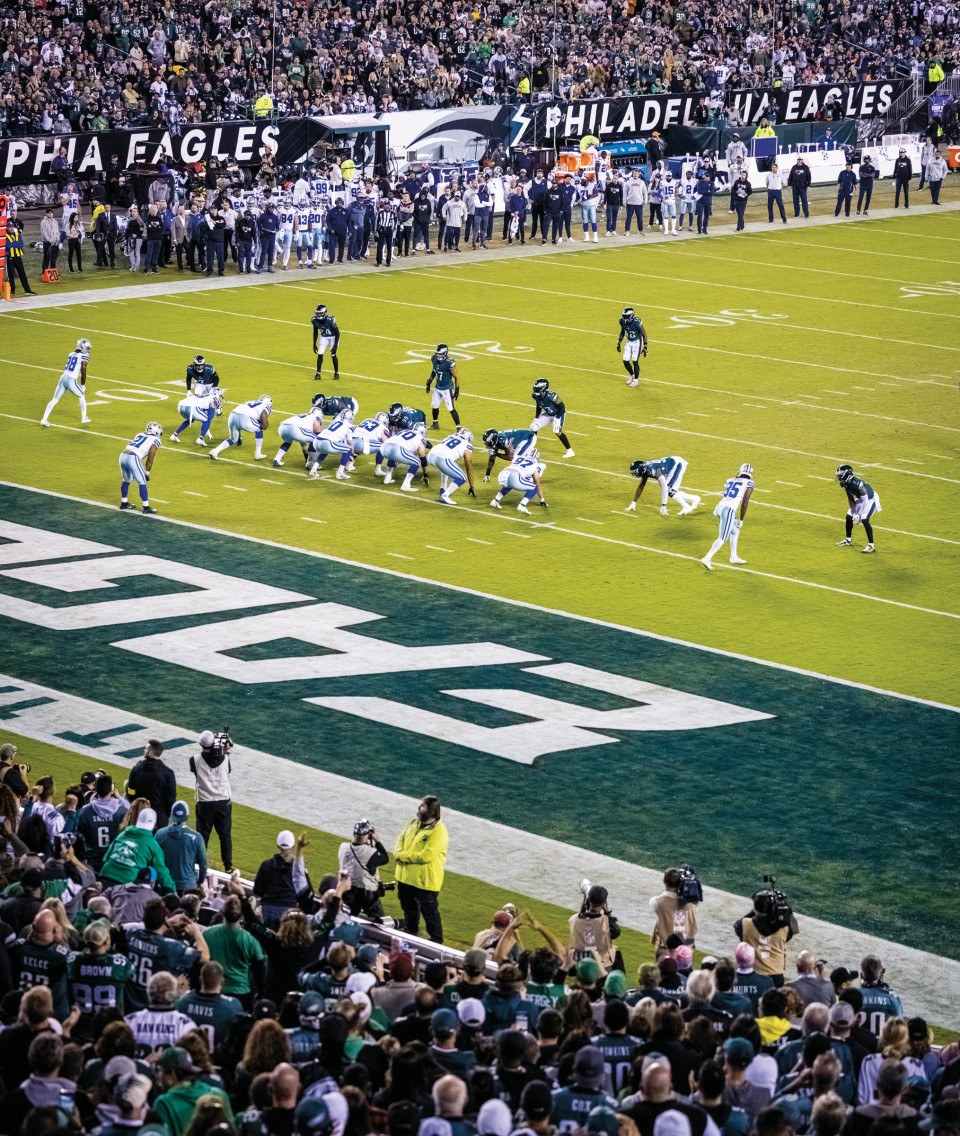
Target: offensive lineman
(445,456)
(522,474)
(337,438)
(72,381)
(508,445)
(446,385)
(136,461)
(549,408)
(302,428)
(201,374)
(863,503)
(326,337)
(407,448)
(251,417)
(631,328)
(369,437)
(669,473)
(735,498)
(202,408)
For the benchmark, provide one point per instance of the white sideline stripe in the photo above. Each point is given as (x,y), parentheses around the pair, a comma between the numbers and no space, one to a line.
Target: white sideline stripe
(688,346)
(482,849)
(520,357)
(512,602)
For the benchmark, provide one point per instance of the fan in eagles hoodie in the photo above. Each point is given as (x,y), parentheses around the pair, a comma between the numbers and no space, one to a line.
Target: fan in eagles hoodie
(98,822)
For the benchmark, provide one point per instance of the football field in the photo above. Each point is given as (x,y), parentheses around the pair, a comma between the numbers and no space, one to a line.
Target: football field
(795,715)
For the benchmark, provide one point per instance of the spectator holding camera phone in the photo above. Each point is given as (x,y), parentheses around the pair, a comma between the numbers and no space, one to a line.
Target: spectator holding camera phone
(214,797)
(361,859)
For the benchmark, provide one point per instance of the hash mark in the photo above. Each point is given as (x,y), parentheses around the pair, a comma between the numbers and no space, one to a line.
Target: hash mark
(313,520)
(399,556)
(190,493)
(477,540)
(792,484)
(589,521)
(510,532)
(437,548)
(235,488)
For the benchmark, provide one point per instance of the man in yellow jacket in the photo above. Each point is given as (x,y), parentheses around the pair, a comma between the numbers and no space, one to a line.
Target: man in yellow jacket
(420,855)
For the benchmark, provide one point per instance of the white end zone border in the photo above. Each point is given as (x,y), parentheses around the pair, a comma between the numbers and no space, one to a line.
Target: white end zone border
(482,849)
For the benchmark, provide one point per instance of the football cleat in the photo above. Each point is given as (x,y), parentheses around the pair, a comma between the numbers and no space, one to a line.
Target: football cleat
(869,548)
(569,454)
(522,508)
(379,472)
(737,560)
(444,499)
(342,475)
(44,422)
(277,463)
(387,478)
(148,511)
(126,505)
(201,441)
(707,564)
(175,438)
(633,382)
(259,457)
(845,543)
(409,489)
(495,504)
(86,421)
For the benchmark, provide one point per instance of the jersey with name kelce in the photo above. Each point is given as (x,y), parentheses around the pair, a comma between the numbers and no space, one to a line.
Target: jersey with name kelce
(734,491)
(43,966)
(98,982)
(150,953)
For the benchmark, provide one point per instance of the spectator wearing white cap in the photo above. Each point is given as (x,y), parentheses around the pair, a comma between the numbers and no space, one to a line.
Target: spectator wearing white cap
(211,767)
(281,879)
(184,851)
(134,849)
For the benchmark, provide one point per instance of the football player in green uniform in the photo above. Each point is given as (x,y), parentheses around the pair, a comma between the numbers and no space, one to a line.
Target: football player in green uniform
(326,337)
(632,329)
(863,502)
(446,385)
(509,444)
(201,376)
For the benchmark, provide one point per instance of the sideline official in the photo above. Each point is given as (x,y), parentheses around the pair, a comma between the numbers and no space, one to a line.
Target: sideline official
(420,855)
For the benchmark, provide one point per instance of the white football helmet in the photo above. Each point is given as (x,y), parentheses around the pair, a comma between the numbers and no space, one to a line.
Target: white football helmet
(154,429)
(382,419)
(345,415)
(266,401)
(84,346)
(746,470)
(463,432)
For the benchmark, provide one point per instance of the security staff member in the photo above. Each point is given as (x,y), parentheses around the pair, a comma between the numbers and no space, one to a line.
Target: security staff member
(799,182)
(902,173)
(868,172)
(15,269)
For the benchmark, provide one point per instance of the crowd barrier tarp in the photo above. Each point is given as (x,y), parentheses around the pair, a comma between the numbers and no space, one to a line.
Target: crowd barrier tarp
(27,161)
(563,123)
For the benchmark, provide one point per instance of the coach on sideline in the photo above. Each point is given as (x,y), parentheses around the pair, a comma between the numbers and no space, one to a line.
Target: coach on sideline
(420,855)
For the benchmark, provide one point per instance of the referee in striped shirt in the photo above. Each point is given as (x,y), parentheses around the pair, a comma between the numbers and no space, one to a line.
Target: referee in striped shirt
(386,230)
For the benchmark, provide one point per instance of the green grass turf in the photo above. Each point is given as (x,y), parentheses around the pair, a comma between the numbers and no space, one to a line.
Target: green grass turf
(841,367)
(467,905)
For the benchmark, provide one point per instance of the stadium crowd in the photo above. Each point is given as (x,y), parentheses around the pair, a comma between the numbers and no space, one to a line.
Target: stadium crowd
(140,996)
(112,64)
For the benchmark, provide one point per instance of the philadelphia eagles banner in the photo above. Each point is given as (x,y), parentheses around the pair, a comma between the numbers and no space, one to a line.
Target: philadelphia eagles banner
(613,120)
(25,161)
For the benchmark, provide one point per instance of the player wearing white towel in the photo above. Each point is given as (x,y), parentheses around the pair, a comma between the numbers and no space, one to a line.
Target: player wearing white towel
(668,472)
(251,417)
(136,461)
(732,510)
(72,381)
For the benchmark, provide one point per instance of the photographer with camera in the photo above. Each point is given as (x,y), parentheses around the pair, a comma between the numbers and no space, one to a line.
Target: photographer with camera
(361,859)
(12,774)
(675,909)
(768,927)
(594,928)
(214,797)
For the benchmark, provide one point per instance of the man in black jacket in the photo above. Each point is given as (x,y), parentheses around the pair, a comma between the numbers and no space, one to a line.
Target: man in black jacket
(216,238)
(868,172)
(902,173)
(613,199)
(799,182)
(153,227)
(280,879)
(246,232)
(422,216)
(152,779)
(105,236)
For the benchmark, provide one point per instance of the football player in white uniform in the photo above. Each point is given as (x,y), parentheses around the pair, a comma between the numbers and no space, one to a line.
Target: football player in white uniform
(302,428)
(523,474)
(669,473)
(731,509)
(201,407)
(408,448)
(136,461)
(72,380)
(369,437)
(445,456)
(337,438)
(303,237)
(287,215)
(251,417)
